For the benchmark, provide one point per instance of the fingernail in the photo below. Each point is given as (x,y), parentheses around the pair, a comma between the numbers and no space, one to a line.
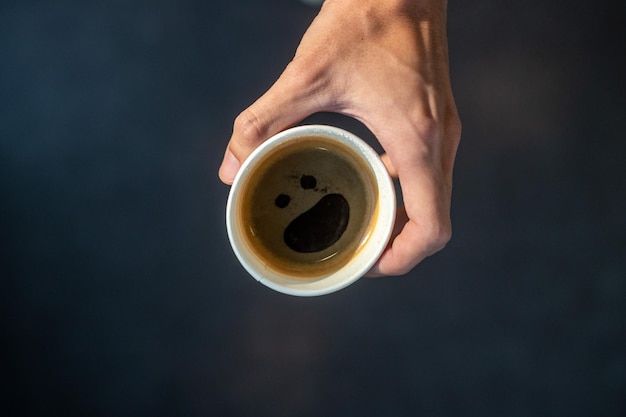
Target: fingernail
(229,168)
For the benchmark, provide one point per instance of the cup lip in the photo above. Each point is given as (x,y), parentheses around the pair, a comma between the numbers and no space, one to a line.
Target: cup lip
(367,255)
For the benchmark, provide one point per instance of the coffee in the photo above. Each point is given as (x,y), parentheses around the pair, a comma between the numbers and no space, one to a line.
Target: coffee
(308,207)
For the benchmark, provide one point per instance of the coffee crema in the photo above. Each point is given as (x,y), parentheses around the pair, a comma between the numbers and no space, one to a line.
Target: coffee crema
(308,207)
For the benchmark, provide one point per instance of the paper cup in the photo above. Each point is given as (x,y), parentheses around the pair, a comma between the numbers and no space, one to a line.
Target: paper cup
(311,210)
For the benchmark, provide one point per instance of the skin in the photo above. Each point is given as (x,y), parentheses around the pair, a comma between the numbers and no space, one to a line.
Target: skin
(385,63)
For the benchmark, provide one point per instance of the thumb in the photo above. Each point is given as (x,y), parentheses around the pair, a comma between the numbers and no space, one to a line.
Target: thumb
(291,99)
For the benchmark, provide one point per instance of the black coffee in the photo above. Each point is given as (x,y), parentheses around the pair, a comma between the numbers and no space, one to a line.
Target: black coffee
(307,207)
(320,227)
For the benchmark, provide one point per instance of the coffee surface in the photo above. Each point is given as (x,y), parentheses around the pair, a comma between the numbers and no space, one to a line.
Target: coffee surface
(319,227)
(307,207)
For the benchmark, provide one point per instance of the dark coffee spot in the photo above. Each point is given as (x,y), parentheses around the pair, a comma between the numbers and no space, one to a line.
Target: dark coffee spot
(319,227)
(308,181)
(282,200)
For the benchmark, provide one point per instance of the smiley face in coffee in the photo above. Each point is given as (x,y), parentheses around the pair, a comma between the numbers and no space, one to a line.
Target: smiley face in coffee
(319,227)
(308,207)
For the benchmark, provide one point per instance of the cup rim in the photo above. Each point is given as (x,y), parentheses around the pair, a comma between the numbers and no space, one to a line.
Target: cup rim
(367,255)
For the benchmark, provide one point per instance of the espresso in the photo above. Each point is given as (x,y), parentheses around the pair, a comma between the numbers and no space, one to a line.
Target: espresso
(319,227)
(307,208)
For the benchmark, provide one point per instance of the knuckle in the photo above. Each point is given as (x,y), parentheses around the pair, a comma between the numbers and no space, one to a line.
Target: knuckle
(428,127)
(298,66)
(299,73)
(310,65)
(454,126)
(307,75)
(428,130)
(438,237)
(428,241)
(248,128)
(432,128)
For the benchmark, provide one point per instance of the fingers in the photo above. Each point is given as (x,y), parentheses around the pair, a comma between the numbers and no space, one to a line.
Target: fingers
(291,99)
(412,242)
(393,173)
(423,225)
(422,228)
(401,220)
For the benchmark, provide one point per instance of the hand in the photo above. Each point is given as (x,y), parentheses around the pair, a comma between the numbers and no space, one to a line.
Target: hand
(385,63)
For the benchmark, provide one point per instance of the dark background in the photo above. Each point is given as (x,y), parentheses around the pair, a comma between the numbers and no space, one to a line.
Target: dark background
(120,295)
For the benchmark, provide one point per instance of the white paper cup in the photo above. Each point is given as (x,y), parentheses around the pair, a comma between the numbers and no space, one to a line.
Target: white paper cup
(278,203)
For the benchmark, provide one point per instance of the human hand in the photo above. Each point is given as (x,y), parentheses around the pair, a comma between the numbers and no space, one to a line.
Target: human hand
(385,63)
